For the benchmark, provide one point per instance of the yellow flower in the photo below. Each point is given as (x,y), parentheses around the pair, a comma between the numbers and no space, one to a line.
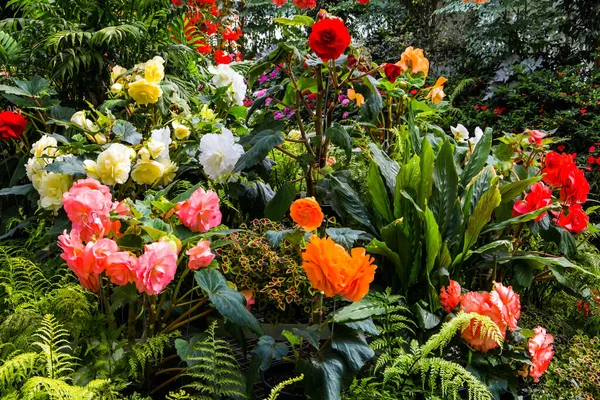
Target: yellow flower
(144,92)
(414,60)
(359,98)
(35,170)
(112,166)
(181,131)
(154,71)
(295,134)
(116,88)
(168,173)
(437,91)
(51,189)
(46,146)
(147,172)
(116,71)
(206,113)
(155,147)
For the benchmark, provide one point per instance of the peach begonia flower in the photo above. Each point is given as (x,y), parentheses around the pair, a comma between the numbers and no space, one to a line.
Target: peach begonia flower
(450,296)
(436,94)
(480,303)
(200,255)
(157,267)
(307,213)
(359,98)
(121,267)
(201,211)
(509,304)
(88,204)
(414,61)
(249,295)
(333,271)
(541,349)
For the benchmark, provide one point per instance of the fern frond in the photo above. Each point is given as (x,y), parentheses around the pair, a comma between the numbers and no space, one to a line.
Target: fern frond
(52,341)
(449,377)
(460,87)
(17,369)
(281,385)
(149,351)
(54,389)
(9,48)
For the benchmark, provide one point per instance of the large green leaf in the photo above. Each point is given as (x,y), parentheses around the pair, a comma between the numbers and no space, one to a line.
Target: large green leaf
(264,138)
(379,194)
(427,166)
(407,182)
(512,190)
(325,376)
(186,350)
(36,87)
(388,167)
(346,236)
(298,20)
(445,192)
(280,203)
(518,220)
(481,215)
(433,240)
(478,158)
(353,347)
(382,249)
(126,132)
(340,137)
(360,310)
(229,303)
(67,165)
(20,190)
(312,334)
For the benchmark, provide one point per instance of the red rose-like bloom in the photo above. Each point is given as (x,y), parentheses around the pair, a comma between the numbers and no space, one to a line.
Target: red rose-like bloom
(557,168)
(329,38)
(575,221)
(203,48)
(509,304)
(450,296)
(230,34)
(392,71)
(481,303)
(363,1)
(536,137)
(221,57)
(541,349)
(279,3)
(575,187)
(539,197)
(304,4)
(12,125)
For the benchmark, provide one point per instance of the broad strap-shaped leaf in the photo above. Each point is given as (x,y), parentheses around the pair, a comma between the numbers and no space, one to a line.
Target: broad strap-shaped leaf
(298,20)
(229,303)
(276,209)
(360,310)
(379,194)
(427,167)
(388,167)
(338,135)
(382,249)
(445,191)
(481,215)
(519,219)
(353,347)
(478,158)
(512,190)
(20,190)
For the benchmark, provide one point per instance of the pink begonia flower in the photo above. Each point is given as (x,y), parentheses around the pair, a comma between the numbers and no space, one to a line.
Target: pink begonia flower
(100,251)
(541,349)
(508,302)
(121,268)
(200,256)
(88,204)
(535,137)
(201,211)
(157,267)
(122,208)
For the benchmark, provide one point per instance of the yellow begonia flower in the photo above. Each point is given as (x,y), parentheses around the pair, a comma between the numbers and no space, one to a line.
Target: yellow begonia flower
(112,166)
(35,170)
(155,147)
(154,71)
(437,91)
(116,88)
(359,98)
(51,189)
(46,146)
(116,71)
(144,92)
(169,172)
(180,131)
(206,113)
(414,61)
(147,172)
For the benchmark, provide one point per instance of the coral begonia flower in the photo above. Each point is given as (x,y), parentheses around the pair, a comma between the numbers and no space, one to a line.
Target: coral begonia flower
(157,267)
(307,213)
(414,61)
(480,303)
(200,255)
(541,349)
(535,137)
(358,275)
(509,304)
(450,296)
(540,196)
(329,38)
(201,211)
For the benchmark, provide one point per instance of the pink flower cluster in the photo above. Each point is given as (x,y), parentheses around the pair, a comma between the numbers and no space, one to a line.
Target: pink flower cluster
(88,253)
(200,212)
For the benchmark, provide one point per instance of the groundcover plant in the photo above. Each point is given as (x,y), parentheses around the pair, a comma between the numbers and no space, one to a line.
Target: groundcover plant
(244,199)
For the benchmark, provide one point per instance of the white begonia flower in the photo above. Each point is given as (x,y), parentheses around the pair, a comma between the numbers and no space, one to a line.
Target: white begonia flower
(79,119)
(155,147)
(112,166)
(52,186)
(219,153)
(116,71)
(225,76)
(46,146)
(35,170)
(478,134)
(116,88)
(163,135)
(461,134)
(295,134)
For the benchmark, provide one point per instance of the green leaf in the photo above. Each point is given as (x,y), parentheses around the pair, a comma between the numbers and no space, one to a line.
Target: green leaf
(312,334)
(61,113)
(268,349)
(519,219)
(523,274)
(126,132)
(478,158)
(388,167)
(279,205)
(325,376)
(67,165)
(564,240)
(131,242)
(276,237)
(512,190)
(353,347)
(481,215)
(229,303)
(382,249)
(379,194)
(20,190)
(433,240)
(427,320)
(291,338)
(445,188)
(365,308)
(298,20)
(36,87)
(365,325)
(427,166)
(123,295)
(264,138)
(346,236)
(339,137)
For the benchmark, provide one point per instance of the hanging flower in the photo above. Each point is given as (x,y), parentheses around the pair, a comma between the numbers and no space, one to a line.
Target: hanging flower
(359,98)
(461,134)
(536,137)
(279,3)
(575,221)
(219,153)
(358,275)
(154,70)
(180,131)
(231,34)
(200,212)
(12,125)
(450,296)
(200,255)
(539,197)
(437,91)
(51,188)
(541,350)
(80,120)
(557,168)
(329,38)
(147,172)
(307,213)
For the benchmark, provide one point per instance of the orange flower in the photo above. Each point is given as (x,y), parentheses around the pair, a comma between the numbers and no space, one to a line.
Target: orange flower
(359,275)
(541,349)
(509,304)
(324,260)
(414,61)
(307,213)
(437,91)
(450,297)
(359,98)
(480,303)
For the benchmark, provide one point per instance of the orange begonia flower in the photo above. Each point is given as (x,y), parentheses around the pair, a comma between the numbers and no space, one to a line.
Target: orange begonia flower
(324,261)
(437,91)
(450,296)
(359,98)
(480,303)
(414,61)
(307,213)
(359,275)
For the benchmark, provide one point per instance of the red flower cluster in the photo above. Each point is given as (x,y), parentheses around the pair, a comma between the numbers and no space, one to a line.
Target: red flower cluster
(539,196)
(304,4)
(12,125)
(329,38)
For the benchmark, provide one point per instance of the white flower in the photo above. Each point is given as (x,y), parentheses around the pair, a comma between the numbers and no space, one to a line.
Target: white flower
(461,134)
(225,76)
(51,189)
(219,153)
(163,135)
(478,134)
(295,134)
(35,170)
(116,88)
(79,119)
(46,146)
(155,147)
(112,166)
